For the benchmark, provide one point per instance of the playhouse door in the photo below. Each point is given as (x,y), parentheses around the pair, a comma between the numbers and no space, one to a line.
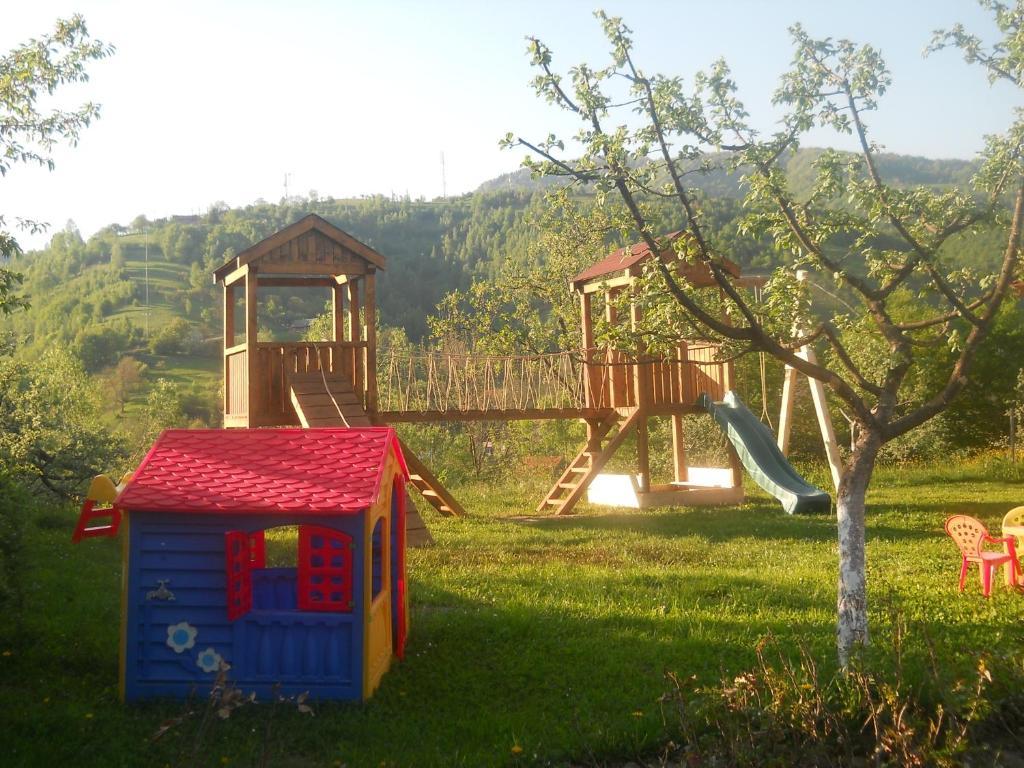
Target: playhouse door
(378,616)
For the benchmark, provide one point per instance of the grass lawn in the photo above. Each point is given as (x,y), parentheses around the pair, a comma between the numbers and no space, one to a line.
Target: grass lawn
(548,636)
(165,279)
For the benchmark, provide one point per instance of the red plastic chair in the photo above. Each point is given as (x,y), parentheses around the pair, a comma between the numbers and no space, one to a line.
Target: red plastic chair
(970,536)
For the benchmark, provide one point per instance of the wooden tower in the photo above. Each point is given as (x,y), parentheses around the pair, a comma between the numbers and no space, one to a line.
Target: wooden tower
(625,392)
(311,383)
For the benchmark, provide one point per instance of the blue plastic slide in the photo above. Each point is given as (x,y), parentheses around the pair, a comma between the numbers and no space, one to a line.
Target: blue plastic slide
(761,457)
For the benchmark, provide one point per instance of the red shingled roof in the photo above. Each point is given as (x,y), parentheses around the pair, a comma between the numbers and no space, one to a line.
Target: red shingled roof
(262,471)
(624,258)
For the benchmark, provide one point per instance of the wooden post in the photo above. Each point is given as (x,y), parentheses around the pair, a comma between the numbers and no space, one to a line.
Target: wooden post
(641,389)
(591,393)
(828,433)
(338,312)
(354,328)
(229,341)
(679,449)
(253,373)
(370,314)
(735,468)
(786,410)
(616,373)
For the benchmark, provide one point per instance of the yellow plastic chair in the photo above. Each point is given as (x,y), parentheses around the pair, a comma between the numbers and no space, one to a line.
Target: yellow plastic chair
(1013,526)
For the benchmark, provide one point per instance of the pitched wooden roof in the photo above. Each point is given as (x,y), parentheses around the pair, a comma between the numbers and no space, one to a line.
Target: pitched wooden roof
(310,245)
(262,471)
(625,259)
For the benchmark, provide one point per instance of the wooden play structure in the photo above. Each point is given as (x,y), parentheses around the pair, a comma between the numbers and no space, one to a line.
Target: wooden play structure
(341,382)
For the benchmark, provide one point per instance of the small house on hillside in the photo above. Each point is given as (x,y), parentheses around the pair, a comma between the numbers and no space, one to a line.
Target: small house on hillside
(197,592)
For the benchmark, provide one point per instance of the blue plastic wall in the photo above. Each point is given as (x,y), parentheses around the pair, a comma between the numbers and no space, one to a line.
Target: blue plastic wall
(272,645)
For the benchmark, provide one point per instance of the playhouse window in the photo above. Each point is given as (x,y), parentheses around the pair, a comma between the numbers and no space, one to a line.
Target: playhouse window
(320,581)
(377,570)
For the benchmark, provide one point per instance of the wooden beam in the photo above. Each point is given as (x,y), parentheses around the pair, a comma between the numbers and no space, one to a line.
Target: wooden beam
(528,414)
(325,269)
(617,373)
(679,450)
(598,286)
(591,392)
(355,334)
(251,332)
(229,342)
(789,381)
(229,317)
(313,281)
(828,433)
(338,312)
(370,314)
(641,390)
(236,275)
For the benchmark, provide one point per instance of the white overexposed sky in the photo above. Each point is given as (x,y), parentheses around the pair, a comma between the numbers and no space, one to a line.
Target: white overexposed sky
(219,100)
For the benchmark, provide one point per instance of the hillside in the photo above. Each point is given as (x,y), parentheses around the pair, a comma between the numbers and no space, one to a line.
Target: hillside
(900,170)
(91,295)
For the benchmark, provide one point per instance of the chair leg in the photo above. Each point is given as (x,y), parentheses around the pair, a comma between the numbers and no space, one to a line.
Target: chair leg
(963,572)
(986,578)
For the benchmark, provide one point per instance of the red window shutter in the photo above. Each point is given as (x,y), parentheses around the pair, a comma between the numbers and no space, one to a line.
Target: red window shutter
(325,569)
(238,557)
(257,550)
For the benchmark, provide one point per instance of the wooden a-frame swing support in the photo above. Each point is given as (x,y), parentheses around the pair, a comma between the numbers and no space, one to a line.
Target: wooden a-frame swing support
(828,433)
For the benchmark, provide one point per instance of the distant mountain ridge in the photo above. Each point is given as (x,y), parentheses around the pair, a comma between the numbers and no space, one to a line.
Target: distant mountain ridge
(899,170)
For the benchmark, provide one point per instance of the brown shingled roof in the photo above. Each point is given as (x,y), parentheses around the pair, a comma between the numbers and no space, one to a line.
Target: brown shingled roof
(625,258)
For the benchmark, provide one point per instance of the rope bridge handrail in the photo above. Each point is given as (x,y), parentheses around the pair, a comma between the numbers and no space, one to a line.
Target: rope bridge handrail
(446,382)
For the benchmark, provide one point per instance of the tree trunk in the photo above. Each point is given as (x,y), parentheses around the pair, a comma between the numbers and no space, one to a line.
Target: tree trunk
(852,602)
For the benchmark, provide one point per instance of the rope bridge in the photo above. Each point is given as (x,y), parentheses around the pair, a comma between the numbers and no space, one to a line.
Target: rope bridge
(445,382)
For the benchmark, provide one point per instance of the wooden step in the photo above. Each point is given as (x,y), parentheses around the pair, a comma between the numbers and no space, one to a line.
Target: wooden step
(336,405)
(587,464)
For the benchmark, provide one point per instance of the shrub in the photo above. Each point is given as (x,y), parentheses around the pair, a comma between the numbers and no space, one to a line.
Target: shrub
(784,712)
(175,338)
(13,504)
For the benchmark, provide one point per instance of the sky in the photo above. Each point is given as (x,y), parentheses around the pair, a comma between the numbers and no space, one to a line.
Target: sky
(225,101)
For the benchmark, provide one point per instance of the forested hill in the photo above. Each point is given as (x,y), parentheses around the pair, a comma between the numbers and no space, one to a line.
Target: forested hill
(82,290)
(431,248)
(899,170)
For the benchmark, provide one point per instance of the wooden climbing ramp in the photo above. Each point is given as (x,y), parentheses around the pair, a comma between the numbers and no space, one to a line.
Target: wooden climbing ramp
(323,399)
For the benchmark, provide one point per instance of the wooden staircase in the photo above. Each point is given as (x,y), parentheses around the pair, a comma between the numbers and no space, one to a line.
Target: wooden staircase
(570,487)
(328,400)
(429,486)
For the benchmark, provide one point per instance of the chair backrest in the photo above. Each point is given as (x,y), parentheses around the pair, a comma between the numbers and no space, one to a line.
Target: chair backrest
(967,533)
(1014,517)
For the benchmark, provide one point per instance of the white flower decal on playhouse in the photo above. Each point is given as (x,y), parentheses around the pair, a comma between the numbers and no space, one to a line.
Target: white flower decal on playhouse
(181,636)
(209,660)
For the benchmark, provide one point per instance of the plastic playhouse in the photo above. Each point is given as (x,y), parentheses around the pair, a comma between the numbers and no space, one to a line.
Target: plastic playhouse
(197,594)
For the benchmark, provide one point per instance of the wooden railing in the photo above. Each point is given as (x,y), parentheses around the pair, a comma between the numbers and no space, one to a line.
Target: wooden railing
(440,383)
(613,378)
(473,386)
(275,360)
(236,382)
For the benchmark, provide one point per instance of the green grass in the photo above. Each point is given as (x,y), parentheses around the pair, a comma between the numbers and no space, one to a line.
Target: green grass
(553,635)
(165,280)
